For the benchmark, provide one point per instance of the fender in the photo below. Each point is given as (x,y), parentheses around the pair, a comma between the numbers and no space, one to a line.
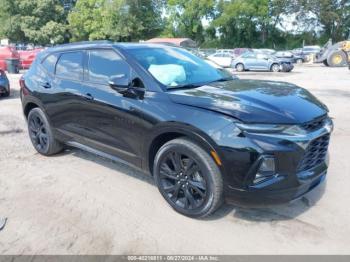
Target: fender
(189,131)
(28,99)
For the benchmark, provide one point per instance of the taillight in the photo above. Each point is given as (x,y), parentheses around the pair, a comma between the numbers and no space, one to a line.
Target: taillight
(24,89)
(22,83)
(14,54)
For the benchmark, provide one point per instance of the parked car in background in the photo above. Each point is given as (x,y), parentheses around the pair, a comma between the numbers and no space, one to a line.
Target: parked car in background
(4,84)
(222,58)
(261,62)
(307,52)
(7,52)
(226,74)
(204,138)
(28,56)
(289,56)
(264,51)
(240,51)
(312,49)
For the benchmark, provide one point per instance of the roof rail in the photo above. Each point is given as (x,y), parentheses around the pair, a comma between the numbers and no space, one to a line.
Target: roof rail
(88,42)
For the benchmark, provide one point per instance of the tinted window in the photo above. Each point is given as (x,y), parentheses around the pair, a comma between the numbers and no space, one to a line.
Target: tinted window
(70,65)
(248,55)
(261,56)
(175,67)
(104,64)
(49,63)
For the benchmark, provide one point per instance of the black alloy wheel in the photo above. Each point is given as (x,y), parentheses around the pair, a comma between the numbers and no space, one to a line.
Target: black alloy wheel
(6,94)
(188,178)
(181,179)
(41,135)
(38,133)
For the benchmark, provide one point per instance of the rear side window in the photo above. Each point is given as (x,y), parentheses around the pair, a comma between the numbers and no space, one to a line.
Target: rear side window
(50,63)
(104,64)
(70,65)
(248,55)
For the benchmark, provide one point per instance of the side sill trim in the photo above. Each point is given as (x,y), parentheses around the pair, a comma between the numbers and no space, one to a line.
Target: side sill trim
(102,154)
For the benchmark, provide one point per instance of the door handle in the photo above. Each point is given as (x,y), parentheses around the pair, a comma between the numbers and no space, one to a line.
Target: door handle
(46,85)
(88,96)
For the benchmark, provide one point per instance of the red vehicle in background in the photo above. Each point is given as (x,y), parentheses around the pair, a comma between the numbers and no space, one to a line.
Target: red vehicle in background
(27,57)
(7,52)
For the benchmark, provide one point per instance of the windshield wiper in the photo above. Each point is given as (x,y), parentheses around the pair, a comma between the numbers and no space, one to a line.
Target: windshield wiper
(185,86)
(189,86)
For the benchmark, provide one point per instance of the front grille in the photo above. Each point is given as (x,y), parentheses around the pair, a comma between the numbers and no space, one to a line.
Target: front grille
(314,125)
(315,153)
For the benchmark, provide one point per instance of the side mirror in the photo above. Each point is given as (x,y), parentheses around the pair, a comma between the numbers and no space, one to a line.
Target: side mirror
(120,83)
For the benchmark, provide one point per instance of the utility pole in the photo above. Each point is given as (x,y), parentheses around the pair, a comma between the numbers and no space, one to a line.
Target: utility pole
(68,4)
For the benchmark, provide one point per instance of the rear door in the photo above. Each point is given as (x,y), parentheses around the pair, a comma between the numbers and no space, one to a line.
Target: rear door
(65,106)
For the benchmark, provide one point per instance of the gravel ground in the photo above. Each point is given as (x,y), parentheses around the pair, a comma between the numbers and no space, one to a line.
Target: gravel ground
(77,203)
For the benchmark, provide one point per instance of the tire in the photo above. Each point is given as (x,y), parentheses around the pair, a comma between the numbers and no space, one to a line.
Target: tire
(6,94)
(188,178)
(240,67)
(299,61)
(275,68)
(325,63)
(337,59)
(41,135)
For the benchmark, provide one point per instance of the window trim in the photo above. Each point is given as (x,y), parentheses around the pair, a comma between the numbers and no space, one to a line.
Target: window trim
(54,68)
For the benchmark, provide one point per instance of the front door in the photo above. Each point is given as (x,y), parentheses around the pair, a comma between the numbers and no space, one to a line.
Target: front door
(113,122)
(262,62)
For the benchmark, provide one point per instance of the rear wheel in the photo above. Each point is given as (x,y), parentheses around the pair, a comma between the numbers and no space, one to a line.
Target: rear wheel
(240,67)
(188,178)
(337,59)
(41,134)
(6,94)
(275,68)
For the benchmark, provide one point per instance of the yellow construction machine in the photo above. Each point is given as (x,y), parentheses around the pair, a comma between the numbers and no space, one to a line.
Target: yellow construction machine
(336,55)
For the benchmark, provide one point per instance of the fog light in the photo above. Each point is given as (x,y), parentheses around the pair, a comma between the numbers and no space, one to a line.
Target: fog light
(266,170)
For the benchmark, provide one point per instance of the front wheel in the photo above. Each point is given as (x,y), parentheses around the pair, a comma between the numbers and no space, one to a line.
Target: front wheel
(337,59)
(275,68)
(299,61)
(188,178)
(41,134)
(240,67)
(6,93)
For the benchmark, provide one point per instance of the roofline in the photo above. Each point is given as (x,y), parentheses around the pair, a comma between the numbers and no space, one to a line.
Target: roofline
(80,45)
(101,44)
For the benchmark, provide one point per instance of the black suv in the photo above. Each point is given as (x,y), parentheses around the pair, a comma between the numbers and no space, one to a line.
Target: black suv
(206,137)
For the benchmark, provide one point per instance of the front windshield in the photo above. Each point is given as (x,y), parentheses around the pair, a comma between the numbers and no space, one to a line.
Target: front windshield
(175,67)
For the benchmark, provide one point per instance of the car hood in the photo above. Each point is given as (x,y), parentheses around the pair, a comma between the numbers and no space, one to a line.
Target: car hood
(254,101)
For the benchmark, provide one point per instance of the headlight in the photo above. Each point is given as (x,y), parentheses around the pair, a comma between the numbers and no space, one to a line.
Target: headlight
(261,128)
(267,128)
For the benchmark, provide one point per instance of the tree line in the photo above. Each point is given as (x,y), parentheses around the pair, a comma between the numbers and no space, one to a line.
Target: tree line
(211,23)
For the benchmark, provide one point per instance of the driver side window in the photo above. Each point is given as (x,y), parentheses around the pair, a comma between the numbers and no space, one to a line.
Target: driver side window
(106,64)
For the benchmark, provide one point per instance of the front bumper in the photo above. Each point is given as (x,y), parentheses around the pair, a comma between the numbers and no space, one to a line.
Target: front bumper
(286,67)
(266,196)
(301,164)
